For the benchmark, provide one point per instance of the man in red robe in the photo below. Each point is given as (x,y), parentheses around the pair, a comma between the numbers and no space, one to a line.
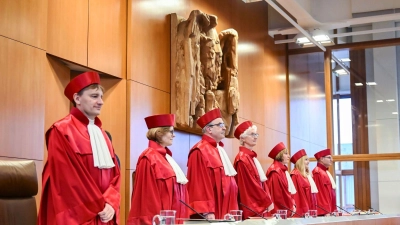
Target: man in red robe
(159,182)
(251,179)
(81,179)
(326,196)
(212,187)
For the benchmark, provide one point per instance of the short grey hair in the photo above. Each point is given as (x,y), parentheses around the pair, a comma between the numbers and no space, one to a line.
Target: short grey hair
(205,127)
(246,133)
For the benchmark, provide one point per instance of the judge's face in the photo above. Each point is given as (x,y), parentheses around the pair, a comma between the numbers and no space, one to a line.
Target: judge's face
(285,157)
(250,140)
(90,102)
(168,138)
(327,160)
(306,162)
(216,129)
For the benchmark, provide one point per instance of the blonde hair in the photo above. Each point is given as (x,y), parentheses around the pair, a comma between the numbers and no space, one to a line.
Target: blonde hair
(279,157)
(246,133)
(156,133)
(301,167)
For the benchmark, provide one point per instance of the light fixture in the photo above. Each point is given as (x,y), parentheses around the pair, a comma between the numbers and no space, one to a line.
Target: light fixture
(394,113)
(320,35)
(390,100)
(339,70)
(345,60)
(358,84)
(379,100)
(371,83)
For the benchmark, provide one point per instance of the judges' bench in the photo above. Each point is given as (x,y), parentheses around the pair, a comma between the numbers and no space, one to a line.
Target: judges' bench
(340,220)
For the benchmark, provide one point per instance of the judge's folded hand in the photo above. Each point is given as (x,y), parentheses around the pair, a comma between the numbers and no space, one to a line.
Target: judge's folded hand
(107,214)
(210,216)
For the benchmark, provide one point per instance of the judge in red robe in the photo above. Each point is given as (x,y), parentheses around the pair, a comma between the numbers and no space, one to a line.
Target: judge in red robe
(326,185)
(212,186)
(305,196)
(159,181)
(279,182)
(251,179)
(81,178)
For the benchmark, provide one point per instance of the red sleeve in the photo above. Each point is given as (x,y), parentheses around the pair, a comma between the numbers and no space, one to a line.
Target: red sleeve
(146,200)
(251,192)
(200,185)
(323,195)
(299,197)
(279,194)
(75,196)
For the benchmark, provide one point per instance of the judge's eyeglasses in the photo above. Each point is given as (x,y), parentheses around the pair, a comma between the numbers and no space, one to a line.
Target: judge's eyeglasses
(217,124)
(254,135)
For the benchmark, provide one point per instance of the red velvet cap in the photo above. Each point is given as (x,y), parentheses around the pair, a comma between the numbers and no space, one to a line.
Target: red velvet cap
(80,82)
(208,117)
(322,153)
(275,151)
(296,156)
(163,120)
(242,128)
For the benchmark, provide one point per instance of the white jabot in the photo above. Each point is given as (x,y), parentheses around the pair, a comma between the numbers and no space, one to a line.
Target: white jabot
(332,180)
(101,155)
(260,170)
(228,167)
(180,176)
(314,188)
(292,189)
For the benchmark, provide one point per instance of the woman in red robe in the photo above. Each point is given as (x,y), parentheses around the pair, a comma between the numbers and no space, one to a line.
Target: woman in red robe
(305,197)
(250,178)
(159,182)
(279,183)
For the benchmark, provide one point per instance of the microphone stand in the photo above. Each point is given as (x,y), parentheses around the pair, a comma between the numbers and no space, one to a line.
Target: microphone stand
(343,209)
(195,211)
(324,210)
(293,212)
(258,214)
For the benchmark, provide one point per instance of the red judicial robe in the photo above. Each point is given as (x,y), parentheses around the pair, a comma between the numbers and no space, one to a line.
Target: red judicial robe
(326,195)
(305,200)
(279,188)
(155,187)
(210,190)
(74,191)
(252,192)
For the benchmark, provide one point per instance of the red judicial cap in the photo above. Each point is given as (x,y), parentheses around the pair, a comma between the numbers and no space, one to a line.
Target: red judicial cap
(275,151)
(242,128)
(162,120)
(80,82)
(208,117)
(322,153)
(297,156)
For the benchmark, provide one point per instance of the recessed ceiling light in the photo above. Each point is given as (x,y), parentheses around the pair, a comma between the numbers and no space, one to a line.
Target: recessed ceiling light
(394,113)
(371,83)
(379,100)
(345,60)
(390,100)
(358,84)
(341,71)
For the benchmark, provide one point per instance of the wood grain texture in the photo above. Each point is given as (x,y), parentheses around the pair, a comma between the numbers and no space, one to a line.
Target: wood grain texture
(67,30)
(107,36)
(24,21)
(23,100)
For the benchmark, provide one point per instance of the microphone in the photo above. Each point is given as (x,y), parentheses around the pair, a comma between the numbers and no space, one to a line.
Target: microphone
(343,209)
(293,212)
(323,209)
(195,211)
(375,210)
(258,214)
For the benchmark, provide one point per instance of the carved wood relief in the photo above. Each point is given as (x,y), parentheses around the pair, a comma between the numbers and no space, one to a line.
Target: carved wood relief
(204,69)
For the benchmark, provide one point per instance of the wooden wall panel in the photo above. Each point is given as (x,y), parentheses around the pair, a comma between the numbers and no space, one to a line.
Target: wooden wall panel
(22,70)
(107,36)
(24,21)
(67,30)
(275,88)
